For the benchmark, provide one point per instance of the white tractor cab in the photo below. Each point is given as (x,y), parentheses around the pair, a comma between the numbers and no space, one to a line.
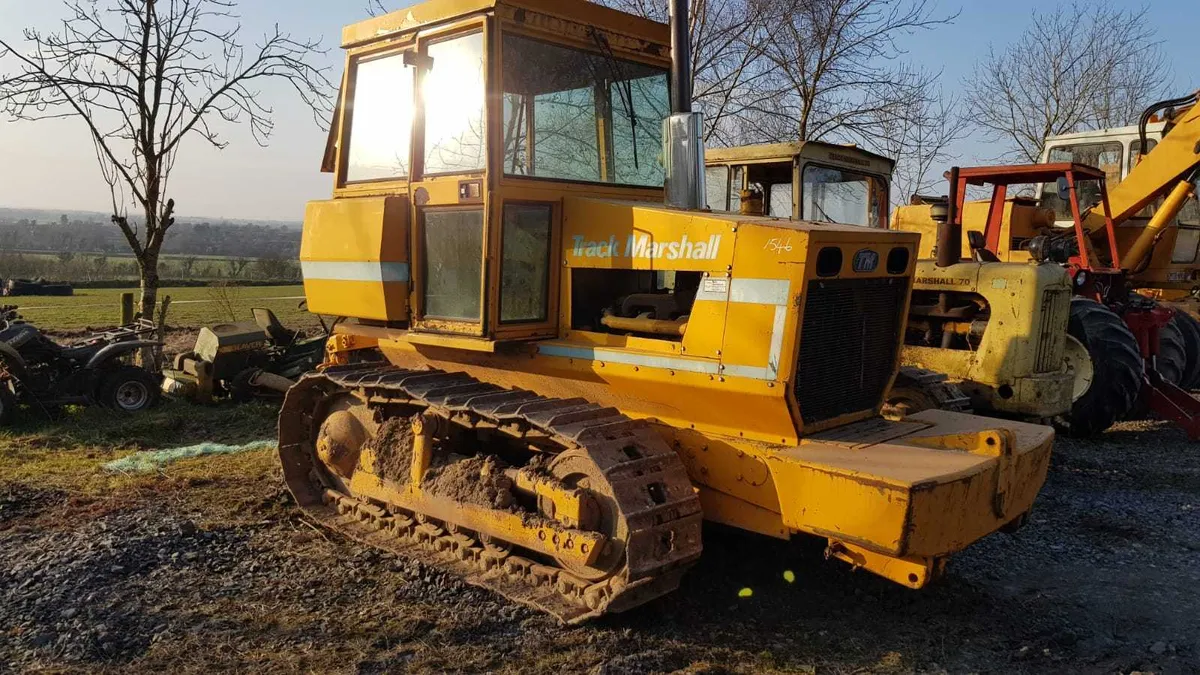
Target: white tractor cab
(808,180)
(1116,151)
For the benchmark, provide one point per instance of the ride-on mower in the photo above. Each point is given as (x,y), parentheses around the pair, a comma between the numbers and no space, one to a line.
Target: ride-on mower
(243,360)
(41,374)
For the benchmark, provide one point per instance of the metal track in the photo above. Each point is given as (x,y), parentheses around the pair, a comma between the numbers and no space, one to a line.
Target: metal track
(937,386)
(649,485)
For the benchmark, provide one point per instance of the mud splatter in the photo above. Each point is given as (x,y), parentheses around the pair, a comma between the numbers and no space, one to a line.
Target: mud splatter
(393,447)
(472,480)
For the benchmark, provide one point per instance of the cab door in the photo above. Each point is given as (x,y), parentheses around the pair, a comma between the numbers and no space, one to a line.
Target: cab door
(449,186)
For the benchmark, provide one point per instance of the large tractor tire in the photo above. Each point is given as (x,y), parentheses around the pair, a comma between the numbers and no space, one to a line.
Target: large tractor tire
(1109,382)
(1173,359)
(1189,327)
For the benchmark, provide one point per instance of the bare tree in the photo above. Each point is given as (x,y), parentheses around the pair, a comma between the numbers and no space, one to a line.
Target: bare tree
(920,139)
(728,41)
(837,68)
(837,73)
(1081,66)
(143,76)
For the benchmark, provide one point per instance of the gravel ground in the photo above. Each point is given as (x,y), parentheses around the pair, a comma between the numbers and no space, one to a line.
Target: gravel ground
(1106,578)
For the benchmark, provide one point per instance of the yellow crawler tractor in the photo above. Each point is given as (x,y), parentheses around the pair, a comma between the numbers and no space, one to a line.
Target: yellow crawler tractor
(545,381)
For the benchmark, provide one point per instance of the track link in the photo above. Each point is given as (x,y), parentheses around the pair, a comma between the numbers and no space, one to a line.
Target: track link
(935,387)
(649,483)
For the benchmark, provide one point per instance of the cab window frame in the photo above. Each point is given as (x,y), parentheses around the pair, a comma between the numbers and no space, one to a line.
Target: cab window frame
(345,119)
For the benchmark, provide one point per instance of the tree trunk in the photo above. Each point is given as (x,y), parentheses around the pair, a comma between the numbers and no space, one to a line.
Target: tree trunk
(149,286)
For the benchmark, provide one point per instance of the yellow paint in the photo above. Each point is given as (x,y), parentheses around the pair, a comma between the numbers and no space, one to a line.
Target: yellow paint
(365,233)
(1028,322)
(1162,218)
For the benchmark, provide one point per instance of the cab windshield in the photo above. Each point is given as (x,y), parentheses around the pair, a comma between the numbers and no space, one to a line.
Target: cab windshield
(1104,156)
(834,195)
(584,116)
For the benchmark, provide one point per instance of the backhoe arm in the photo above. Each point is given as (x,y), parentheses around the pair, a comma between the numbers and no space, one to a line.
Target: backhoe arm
(1159,172)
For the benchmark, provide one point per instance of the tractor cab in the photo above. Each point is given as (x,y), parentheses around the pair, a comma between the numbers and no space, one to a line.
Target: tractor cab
(809,180)
(459,138)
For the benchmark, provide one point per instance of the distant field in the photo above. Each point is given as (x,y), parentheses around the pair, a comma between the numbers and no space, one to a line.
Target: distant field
(190,307)
(121,265)
(125,255)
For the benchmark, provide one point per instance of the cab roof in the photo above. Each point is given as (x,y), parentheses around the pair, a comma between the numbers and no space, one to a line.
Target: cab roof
(782,151)
(433,12)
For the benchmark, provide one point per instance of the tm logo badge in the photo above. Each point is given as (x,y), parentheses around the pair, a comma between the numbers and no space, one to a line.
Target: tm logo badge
(865,261)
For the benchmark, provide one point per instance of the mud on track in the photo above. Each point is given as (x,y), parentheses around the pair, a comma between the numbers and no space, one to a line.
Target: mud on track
(1106,578)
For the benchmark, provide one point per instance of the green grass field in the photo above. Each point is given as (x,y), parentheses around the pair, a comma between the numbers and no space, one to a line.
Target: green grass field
(190,307)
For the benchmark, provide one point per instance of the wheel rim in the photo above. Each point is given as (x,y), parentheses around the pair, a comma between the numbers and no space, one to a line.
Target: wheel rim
(132,396)
(1080,364)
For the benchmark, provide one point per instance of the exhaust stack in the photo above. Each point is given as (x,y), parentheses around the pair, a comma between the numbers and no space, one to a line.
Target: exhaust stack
(683,131)
(949,234)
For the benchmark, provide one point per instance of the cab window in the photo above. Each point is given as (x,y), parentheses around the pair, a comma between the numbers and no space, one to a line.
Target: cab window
(1104,156)
(453,92)
(571,114)
(525,264)
(716,187)
(834,195)
(453,240)
(380,119)
(780,204)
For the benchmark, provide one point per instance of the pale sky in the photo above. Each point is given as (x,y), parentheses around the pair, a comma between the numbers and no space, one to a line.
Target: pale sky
(51,164)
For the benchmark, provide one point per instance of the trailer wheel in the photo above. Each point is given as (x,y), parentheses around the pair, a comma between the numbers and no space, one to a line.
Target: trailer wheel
(128,389)
(1190,328)
(8,405)
(1114,369)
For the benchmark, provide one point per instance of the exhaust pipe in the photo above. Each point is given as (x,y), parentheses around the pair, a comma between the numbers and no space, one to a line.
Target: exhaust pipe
(949,232)
(683,131)
(681,58)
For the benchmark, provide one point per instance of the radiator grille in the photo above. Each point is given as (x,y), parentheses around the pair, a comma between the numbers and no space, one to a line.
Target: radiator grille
(848,345)
(1050,331)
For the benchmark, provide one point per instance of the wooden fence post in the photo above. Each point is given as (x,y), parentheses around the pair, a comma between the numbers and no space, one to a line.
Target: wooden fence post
(126,309)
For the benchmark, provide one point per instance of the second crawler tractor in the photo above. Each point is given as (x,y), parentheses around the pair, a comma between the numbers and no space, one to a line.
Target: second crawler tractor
(546,380)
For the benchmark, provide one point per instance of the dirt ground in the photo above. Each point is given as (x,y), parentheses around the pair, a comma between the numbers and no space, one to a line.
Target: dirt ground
(208,566)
